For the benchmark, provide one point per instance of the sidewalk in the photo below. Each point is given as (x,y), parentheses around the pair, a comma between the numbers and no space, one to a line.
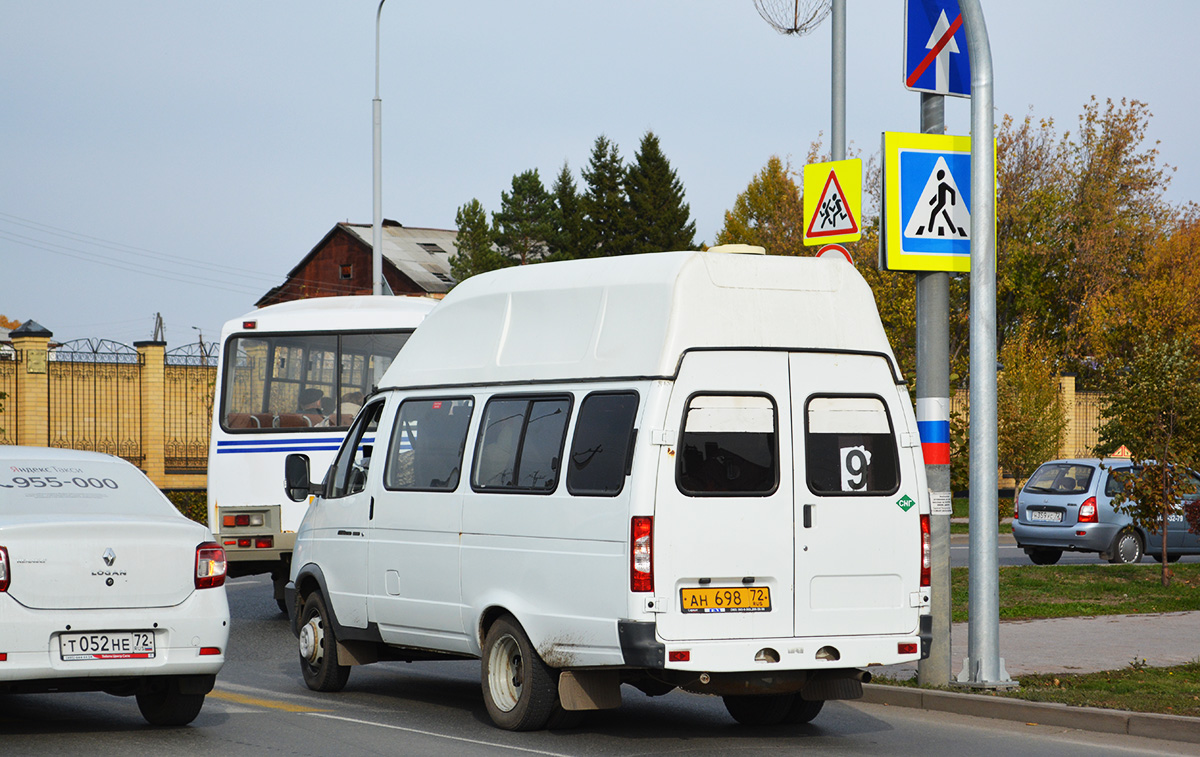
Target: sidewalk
(1081,645)
(1064,645)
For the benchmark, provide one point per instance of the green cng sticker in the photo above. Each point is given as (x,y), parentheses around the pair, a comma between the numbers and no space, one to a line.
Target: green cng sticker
(905,503)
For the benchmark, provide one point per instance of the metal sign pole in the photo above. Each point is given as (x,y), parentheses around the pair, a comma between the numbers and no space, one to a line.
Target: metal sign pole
(933,417)
(377,173)
(983,666)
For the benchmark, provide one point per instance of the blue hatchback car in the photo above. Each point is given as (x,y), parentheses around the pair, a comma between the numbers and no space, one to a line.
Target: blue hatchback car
(1068,505)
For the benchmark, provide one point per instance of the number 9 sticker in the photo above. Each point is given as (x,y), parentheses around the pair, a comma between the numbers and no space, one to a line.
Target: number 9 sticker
(855,461)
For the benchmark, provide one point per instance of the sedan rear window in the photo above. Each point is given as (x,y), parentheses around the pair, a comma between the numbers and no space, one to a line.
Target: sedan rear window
(42,487)
(1061,478)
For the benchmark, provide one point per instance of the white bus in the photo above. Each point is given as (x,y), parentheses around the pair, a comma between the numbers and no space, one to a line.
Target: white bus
(291,378)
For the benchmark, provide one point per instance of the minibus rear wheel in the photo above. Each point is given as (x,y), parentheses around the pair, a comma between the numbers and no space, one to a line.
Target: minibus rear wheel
(520,691)
(759,709)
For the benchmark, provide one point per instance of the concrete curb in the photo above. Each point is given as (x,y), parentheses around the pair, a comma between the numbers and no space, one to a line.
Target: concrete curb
(1145,725)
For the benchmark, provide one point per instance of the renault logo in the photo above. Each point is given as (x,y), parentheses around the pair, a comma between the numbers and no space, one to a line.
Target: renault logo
(110,557)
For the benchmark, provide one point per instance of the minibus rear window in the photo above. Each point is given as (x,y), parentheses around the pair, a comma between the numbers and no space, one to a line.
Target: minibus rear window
(427,444)
(849,447)
(729,446)
(603,442)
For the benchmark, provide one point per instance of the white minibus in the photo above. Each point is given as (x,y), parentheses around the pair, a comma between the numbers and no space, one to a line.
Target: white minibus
(291,377)
(695,470)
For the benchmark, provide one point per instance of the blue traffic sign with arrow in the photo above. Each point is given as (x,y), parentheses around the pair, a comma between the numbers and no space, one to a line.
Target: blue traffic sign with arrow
(935,48)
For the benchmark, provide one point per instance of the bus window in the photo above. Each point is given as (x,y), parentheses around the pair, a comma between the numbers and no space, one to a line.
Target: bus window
(299,381)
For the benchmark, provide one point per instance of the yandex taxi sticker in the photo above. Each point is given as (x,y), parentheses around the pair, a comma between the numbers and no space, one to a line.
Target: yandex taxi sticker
(832,202)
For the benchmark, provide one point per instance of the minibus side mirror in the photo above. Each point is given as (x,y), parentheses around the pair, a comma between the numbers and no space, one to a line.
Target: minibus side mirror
(297,482)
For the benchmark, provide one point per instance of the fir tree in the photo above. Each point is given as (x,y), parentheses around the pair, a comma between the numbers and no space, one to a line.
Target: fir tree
(605,205)
(525,223)
(567,241)
(659,219)
(477,251)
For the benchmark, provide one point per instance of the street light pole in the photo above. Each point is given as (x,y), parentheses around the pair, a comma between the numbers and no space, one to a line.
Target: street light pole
(837,136)
(377,173)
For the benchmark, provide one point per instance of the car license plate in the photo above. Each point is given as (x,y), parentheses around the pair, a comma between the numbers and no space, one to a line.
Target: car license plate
(1052,516)
(112,645)
(728,599)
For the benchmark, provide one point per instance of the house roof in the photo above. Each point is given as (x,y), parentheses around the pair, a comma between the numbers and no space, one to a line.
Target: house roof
(423,255)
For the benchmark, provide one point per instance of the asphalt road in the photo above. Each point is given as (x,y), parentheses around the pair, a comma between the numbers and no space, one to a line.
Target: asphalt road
(261,707)
(1009,554)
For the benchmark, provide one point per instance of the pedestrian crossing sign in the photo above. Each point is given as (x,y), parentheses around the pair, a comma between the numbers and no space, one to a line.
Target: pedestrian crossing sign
(832,202)
(927,203)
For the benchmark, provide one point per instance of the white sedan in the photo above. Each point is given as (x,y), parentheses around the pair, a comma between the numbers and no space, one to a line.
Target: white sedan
(105,586)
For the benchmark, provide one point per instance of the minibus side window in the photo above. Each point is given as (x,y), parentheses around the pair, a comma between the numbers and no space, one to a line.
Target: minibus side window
(349,472)
(427,444)
(729,446)
(850,448)
(603,442)
(521,443)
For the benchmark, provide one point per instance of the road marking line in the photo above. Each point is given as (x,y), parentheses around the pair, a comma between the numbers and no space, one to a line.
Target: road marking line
(271,704)
(439,735)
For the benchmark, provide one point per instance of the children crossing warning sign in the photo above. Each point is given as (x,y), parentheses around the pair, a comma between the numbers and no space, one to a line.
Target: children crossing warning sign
(832,202)
(927,203)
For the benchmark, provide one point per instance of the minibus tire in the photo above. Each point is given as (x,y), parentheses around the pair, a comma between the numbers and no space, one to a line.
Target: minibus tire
(520,691)
(163,704)
(759,709)
(322,673)
(803,710)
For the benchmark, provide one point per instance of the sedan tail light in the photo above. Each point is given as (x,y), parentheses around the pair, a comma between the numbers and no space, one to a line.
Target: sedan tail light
(641,554)
(3,569)
(210,565)
(1087,511)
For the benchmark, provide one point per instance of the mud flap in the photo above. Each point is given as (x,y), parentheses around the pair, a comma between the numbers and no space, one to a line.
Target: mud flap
(589,689)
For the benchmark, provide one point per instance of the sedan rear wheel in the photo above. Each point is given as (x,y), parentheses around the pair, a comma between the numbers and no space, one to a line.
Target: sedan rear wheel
(1044,555)
(1126,548)
(163,704)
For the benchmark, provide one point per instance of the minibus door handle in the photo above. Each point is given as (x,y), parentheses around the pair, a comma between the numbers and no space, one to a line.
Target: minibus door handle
(371,513)
(808,516)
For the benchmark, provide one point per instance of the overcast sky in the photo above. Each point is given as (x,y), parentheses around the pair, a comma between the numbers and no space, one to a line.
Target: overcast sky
(181,156)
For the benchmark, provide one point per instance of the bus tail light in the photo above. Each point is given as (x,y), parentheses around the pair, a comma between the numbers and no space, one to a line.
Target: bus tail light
(241,520)
(641,554)
(926,553)
(1087,511)
(3,569)
(210,565)
(264,542)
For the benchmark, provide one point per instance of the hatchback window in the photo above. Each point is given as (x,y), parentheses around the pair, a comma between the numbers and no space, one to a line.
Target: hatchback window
(1061,478)
(849,447)
(730,446)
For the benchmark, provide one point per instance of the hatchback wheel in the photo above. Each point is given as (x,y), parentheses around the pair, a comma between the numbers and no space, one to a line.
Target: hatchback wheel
(1044,555)
(1126,548)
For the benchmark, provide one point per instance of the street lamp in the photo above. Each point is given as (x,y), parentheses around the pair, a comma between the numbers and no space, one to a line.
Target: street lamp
(377,173)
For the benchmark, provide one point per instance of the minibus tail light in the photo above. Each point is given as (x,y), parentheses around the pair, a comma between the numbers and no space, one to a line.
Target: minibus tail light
(3,569)
(641,554)
(210,565)
(926,553)
(1087,511)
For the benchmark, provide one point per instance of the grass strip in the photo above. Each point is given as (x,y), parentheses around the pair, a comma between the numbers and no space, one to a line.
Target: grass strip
(1029,592)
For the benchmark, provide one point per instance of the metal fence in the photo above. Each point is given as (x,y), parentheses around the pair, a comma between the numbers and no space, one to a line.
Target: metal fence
(9,361)
(189,374)
(94,400)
